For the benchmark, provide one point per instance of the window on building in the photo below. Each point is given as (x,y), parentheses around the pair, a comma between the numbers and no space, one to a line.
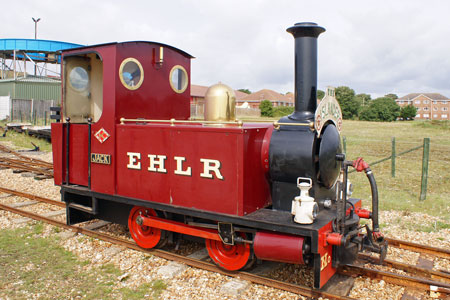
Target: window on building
(400,102)
(445,109)
(418,116)
(426,101)
(444,102)
(435,108)
(417,102)
(426,115)
(418,108)
(444,116)
(435,102)
(426,109)
(435,116)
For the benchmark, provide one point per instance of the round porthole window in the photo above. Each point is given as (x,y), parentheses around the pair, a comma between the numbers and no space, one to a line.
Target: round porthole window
(178,79)
(131,73)
(79,79)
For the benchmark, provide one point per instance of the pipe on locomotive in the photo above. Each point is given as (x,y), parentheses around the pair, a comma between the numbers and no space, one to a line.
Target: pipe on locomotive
(305,34)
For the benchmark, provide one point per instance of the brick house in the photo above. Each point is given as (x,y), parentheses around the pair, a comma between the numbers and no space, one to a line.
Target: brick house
(430,106)
(277,99)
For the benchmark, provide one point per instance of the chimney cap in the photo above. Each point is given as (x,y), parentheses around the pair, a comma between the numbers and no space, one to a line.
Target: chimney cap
(302,29)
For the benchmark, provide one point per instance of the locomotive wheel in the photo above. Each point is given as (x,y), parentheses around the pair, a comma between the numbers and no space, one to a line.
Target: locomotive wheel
(230,257)
(145,236)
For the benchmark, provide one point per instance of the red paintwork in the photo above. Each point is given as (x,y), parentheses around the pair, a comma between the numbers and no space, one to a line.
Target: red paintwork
(174,226)
(278,247)
(145,237)
(243,189)
(230,257)
(363,213)
(57,151)
(78,158)
(334,238)
(155,99)
(326,254)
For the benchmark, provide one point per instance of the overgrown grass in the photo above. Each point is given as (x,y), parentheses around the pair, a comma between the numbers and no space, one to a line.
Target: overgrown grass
(372,141)
(23,141)
(38,268)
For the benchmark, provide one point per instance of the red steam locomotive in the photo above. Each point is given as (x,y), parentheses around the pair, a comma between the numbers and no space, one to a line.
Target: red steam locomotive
(127,151)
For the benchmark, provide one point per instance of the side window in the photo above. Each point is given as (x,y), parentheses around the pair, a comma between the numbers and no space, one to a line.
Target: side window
(131,73)
(178,79)
(83,88)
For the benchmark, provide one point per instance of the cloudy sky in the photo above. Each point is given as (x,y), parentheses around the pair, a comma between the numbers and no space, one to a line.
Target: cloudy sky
(374,47)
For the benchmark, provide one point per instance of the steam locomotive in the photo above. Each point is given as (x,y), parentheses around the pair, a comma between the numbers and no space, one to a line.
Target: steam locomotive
(126,151)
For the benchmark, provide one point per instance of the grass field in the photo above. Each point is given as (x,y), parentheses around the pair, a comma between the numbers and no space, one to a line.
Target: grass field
(372,141)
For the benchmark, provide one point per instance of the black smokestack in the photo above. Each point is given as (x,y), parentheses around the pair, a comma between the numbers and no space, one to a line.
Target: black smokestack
(305,35)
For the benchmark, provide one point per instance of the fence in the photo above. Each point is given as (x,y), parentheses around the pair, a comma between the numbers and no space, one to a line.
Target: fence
(33,111)
(394,155)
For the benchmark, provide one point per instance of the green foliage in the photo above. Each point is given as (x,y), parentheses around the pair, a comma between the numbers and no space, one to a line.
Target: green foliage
(408,112)
(266,108)
(381,109)
(247,91)
(320,94)
(281,111)
(433,124)
(349,105)
(392,96)
(363,99)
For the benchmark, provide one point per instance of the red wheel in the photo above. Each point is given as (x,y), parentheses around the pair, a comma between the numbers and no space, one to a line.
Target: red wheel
(144,236)
(229,257)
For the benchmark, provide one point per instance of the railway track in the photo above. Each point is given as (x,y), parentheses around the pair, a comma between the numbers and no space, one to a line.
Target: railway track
(418,278)
(24,163)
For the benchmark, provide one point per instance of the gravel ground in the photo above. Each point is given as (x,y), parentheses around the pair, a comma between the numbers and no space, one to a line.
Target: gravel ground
(190,283)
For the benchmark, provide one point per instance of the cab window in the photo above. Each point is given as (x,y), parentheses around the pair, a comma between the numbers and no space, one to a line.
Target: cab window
(83,88)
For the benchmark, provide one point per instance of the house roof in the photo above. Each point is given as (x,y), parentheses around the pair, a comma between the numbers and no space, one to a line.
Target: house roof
(432,96)
(266,94)
(200,91)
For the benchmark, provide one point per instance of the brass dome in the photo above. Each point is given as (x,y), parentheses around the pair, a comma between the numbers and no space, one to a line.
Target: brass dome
(220,103)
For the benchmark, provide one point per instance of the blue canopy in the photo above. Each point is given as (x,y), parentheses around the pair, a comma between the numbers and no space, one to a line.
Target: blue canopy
(36,49)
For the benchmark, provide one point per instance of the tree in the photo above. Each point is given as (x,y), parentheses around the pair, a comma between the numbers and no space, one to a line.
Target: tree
(408,112)
(346,98)
(392,96)
(320,94)
(381,109)
(363,99)
(247,91)
(266,108)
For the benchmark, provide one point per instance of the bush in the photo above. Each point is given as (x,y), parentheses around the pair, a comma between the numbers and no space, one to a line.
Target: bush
(266,108)
(349,104)
(381,109)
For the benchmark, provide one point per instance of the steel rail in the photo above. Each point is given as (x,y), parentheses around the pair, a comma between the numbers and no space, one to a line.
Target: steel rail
(32,197)
(289,287)
(348,270)
(26,168)
(37,163)
(432,274)
(397,279)
(443,253)
(5,149)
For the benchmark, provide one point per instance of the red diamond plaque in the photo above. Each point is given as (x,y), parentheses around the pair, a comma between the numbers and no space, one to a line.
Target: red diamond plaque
(102,135)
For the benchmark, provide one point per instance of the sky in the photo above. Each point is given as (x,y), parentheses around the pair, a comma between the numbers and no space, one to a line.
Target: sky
(374,47)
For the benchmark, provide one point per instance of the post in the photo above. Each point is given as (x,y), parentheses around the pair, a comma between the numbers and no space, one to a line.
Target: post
(344,143)
(45,118)
(425,159)
(393,158)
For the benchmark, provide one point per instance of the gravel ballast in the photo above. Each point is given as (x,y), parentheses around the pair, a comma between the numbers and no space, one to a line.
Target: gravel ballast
(191,283)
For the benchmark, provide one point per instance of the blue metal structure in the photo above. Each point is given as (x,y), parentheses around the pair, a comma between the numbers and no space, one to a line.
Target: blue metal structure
(38,50)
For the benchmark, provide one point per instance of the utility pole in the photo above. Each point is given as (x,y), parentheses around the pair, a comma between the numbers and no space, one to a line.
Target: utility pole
(35,37)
